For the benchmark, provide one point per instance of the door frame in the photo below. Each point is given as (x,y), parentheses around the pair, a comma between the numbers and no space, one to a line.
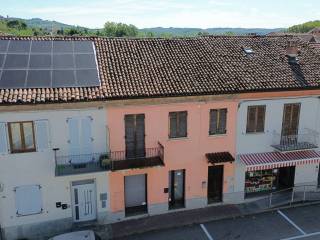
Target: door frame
(171,173)
(146,195)
(83,182)
(222,184)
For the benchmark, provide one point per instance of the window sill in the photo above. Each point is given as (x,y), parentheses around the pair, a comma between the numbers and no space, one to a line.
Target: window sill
(254,133)
(217,135)
(17,152)
(178,138)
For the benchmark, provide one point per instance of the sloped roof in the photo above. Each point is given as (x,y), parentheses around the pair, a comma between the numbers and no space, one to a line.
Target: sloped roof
(153,67)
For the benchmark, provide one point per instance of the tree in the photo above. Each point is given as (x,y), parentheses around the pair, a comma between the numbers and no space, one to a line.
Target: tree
(20,25)
(112,29)
(304,27)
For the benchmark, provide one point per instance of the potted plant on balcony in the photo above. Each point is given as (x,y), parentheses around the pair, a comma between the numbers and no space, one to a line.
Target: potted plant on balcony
(105,161)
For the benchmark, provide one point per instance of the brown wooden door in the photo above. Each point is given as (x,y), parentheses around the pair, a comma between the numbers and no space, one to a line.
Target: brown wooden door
(215,183)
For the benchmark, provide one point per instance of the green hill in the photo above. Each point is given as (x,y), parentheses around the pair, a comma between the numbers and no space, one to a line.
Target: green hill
(304,27)
(215,31)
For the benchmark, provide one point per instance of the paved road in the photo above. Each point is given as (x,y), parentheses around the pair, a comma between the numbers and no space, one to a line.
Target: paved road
(295,223)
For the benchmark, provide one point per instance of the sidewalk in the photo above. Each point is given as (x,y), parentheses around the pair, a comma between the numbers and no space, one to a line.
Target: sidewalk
(183,218)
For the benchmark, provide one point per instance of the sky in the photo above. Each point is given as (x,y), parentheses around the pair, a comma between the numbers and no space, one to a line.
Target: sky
(168,13)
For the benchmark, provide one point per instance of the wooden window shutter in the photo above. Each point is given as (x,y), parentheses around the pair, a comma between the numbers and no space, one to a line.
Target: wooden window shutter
(295,118)
(182,124)
(261,110)
(251,119)
(290,122)
(223,121)
(172,125)
(213,121)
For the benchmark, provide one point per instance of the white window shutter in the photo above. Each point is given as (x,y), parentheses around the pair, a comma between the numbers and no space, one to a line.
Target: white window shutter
(42,135)
(28,200)
(86,136)
(4,149)
(74,137)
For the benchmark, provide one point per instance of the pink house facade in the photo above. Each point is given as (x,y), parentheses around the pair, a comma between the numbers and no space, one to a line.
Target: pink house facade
(185,155)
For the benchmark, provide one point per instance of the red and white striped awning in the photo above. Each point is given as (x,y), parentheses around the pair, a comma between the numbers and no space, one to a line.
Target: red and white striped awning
(269,160)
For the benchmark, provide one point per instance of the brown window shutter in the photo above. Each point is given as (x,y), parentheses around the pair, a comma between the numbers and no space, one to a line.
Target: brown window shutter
(290,122)
(173,125)
(182,124)
(261,110)
(295,118)
(223,121)
(213,121)
(251,119)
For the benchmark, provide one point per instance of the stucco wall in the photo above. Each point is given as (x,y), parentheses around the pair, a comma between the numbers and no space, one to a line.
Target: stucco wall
(186,153)
(39,167)
(261,142)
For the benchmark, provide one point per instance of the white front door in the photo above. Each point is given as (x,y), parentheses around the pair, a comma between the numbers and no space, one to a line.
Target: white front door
(84,202)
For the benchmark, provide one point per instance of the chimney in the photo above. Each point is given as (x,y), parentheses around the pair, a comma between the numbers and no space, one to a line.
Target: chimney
(292,49)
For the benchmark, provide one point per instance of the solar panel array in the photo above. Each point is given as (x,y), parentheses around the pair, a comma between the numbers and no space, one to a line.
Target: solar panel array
(47,64)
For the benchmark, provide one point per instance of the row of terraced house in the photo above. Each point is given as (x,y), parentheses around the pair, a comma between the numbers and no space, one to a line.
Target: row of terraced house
(109,129)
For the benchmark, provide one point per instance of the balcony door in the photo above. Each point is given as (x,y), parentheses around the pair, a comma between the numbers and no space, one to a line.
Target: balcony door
(135,135)
(290,123)
(80,139)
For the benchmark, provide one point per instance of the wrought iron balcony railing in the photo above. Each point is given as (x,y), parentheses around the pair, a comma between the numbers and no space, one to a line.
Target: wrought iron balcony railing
(137,158)
(306,139)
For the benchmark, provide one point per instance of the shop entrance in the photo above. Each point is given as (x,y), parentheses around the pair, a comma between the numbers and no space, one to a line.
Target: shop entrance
(269,180)
(286,177)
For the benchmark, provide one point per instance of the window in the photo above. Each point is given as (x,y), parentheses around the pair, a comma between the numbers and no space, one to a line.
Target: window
(178,124)
(21,135)
(290,121)
(218,120)
(248,50)
(28,200)
(256,118)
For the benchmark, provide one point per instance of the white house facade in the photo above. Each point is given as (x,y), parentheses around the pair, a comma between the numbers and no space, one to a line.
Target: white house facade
(277,144)
(50,170)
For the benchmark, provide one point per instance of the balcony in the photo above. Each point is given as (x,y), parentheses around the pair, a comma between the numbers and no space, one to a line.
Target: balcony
(148,157)
(306,139)
(80,164)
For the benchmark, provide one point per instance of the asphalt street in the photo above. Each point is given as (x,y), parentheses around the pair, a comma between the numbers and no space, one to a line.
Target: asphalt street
(294,223)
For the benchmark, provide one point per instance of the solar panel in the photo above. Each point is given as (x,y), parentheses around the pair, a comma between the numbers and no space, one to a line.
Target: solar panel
(4,45)
(83,47)
(19,47)
(41,61)
(41,47)
(83,75)
(46,64)
(16,61)
(16,78)
(63,78)
(1,59)
(85,60)
(62,47)
(39,78)
(63,61)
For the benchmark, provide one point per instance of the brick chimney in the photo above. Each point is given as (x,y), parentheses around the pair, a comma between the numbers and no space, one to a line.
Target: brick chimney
(292,49)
